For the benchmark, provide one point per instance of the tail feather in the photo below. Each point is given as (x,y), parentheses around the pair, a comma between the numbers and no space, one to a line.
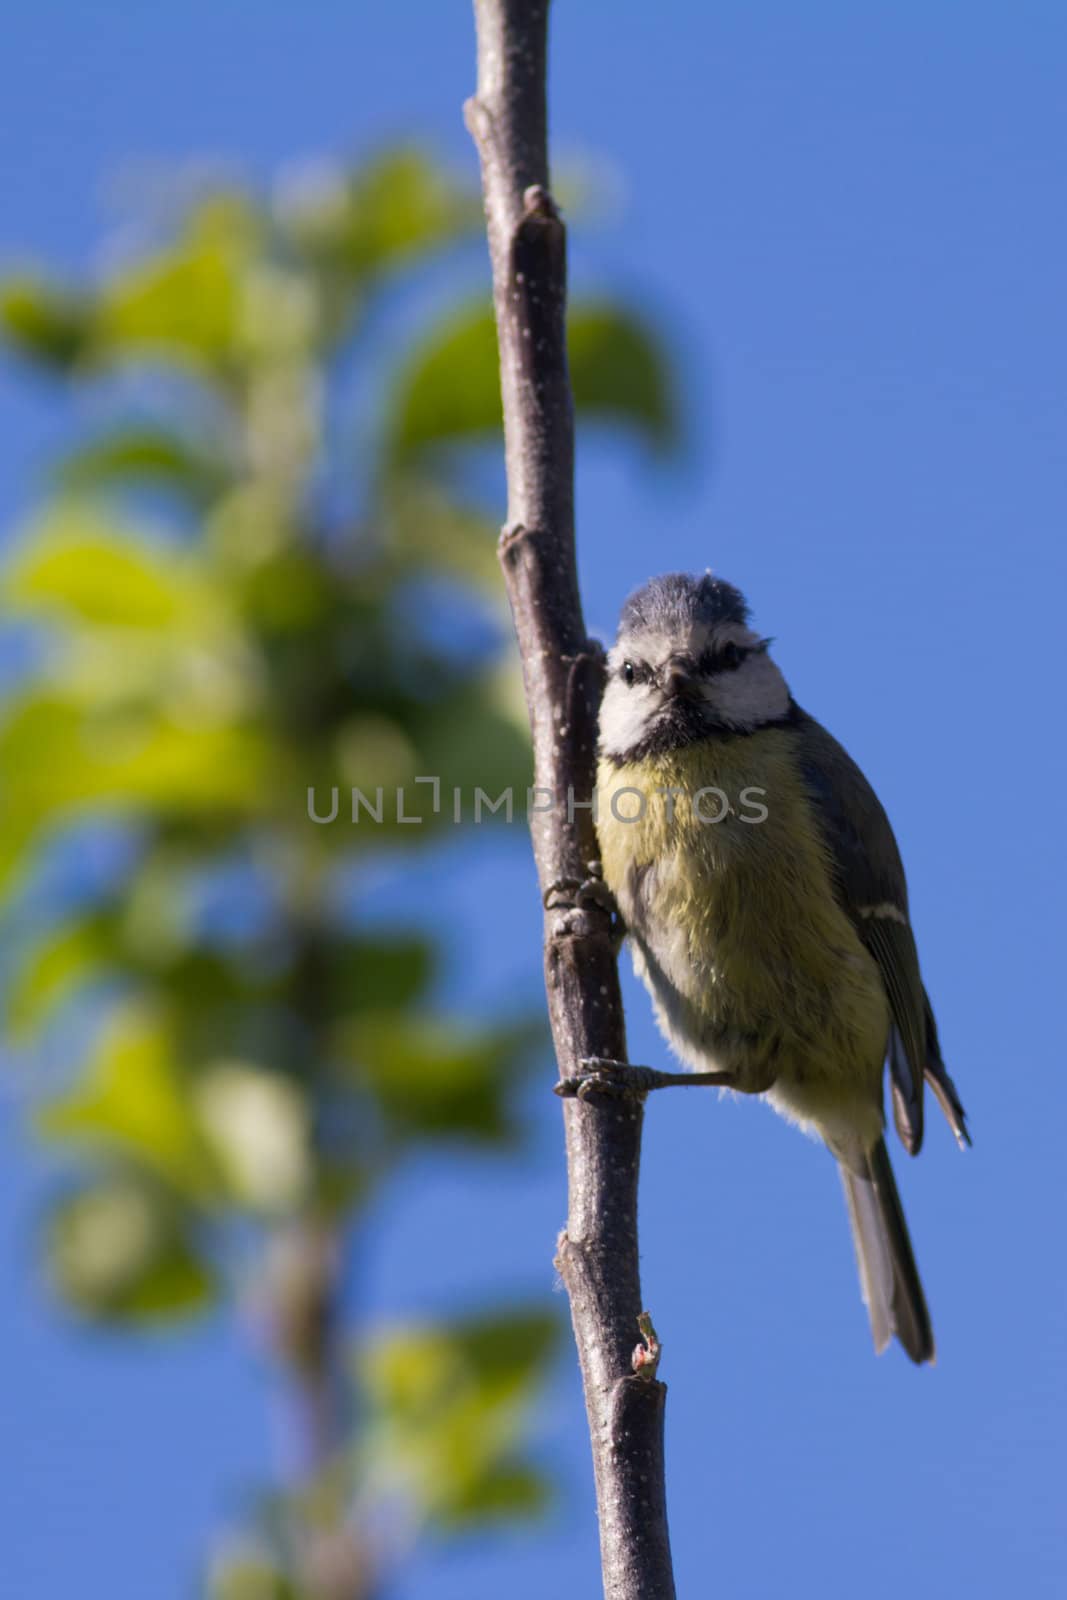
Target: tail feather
(888,1275)
(940,1082)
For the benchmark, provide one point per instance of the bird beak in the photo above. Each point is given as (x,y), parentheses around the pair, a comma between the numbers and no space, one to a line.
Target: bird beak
(677,678)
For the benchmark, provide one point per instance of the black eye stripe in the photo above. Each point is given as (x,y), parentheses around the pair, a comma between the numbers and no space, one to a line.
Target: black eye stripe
(726,659)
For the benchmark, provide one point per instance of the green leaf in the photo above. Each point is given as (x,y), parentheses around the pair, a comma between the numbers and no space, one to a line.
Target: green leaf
(69,956)
(435,1078)
(134,456)
(467,728)
(193,978)
(43,323)
(385,973)
(448,1405)
(186,303)
(133,1101)
(248,1573)
(426,531)
(476,738)
(619,372)
(508,1493)
(60,762)
(74,561)
(448,392)
(396,209)
(118,1251)
(287,593)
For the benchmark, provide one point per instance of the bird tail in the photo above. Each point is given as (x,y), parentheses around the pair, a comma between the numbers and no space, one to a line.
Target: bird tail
(889,1277)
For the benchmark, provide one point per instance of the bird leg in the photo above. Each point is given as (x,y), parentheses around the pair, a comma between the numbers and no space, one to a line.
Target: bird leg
(600,1075)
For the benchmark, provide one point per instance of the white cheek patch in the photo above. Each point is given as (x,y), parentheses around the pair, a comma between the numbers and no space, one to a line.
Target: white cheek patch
(751,695)
(625,714)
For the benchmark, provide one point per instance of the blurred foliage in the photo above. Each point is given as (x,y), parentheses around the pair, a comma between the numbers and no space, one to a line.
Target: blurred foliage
(616,369)
(444,1402)
(265,578)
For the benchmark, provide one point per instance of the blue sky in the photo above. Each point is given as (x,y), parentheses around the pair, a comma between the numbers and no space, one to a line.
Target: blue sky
(849,221)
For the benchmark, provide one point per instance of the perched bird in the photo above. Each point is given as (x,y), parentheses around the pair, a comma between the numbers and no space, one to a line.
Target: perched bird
(761,888)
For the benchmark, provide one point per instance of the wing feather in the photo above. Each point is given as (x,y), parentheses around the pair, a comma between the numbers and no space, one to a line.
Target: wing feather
(871,888)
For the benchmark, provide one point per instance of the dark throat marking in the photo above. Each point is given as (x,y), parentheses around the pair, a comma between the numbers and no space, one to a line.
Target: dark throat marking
(684,724)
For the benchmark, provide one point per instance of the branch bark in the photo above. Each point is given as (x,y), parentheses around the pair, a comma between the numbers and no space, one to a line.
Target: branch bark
(563,672)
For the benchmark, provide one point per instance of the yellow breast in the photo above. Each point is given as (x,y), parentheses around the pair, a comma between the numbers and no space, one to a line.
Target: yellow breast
(736,927)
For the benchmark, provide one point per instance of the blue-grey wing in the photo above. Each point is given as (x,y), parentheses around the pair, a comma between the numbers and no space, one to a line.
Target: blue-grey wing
(871,888)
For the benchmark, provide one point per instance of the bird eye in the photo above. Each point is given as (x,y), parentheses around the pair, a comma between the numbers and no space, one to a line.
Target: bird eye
(730,657)
(628,674)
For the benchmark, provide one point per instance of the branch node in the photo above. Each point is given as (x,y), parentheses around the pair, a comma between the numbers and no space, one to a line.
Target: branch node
(479,121)
(645,1359)
(539,206)
(512,534)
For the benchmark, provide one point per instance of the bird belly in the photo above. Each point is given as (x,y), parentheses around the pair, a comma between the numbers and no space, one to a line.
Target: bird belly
(753,967)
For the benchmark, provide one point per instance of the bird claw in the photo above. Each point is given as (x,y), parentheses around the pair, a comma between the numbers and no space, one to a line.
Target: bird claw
(579,893)
(601,1075)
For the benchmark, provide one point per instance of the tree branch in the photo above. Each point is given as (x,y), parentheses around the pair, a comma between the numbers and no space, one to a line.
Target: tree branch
(563,673)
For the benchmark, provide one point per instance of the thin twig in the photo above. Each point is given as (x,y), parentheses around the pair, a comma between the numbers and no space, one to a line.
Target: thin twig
(563,676)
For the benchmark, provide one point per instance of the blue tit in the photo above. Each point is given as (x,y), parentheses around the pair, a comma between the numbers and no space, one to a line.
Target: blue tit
(762,892)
